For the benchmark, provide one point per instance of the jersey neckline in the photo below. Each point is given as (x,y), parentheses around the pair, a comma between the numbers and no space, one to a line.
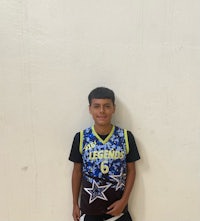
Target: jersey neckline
(107,138)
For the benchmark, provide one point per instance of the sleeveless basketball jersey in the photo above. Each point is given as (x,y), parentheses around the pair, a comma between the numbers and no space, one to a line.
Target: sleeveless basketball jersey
(104,169)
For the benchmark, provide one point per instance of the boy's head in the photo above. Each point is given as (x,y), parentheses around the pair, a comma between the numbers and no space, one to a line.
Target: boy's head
(101,93)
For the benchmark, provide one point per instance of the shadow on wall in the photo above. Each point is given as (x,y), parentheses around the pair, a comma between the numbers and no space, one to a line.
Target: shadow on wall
(124,119)
(122,116)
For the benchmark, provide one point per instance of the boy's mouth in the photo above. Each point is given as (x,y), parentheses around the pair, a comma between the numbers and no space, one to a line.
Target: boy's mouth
(101,117)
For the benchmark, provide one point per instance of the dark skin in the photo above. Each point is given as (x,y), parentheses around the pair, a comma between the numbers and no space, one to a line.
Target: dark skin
(76,184)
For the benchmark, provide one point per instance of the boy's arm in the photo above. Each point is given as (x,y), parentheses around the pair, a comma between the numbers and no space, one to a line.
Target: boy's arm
(76,184)
(130,179)
(117,207)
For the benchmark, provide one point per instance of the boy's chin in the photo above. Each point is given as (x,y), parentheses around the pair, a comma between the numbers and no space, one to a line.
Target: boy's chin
(103,124)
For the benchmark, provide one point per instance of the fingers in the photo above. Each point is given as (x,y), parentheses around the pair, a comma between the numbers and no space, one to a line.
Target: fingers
(111,209)
(76,218)
(111,206)
(115,209)
(76,213)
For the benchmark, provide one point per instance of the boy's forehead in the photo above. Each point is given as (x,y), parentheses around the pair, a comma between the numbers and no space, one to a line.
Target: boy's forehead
(101,101)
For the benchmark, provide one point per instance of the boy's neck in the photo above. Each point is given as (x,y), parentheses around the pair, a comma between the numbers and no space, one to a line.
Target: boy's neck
(103,130)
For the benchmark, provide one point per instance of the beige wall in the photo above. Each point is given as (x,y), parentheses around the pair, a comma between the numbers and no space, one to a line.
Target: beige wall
(53,52)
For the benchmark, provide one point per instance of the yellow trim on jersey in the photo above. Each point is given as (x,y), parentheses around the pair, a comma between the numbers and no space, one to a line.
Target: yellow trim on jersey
(126,141)
(81,142)
(99,138)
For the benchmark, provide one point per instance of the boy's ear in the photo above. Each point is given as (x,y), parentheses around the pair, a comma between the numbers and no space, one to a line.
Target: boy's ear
(89,108)
(114,108)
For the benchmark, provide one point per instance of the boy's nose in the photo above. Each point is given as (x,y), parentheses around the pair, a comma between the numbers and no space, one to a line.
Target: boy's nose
(101,109)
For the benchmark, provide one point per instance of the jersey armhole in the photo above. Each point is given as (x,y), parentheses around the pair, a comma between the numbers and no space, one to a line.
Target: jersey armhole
(126,141)
(81,142)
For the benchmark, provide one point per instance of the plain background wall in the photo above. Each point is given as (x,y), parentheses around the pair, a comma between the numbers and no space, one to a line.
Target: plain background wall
(53,52)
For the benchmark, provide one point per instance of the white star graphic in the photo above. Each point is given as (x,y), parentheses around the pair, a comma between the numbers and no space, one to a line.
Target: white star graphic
(97,191)
(119,179)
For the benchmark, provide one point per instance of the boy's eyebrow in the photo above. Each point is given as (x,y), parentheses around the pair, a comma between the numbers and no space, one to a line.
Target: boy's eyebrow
(100,104)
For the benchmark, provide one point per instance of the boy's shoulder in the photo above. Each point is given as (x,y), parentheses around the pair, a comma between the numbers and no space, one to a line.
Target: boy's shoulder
(87,129)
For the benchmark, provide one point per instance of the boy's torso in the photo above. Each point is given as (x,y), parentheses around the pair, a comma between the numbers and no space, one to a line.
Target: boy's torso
(104,169)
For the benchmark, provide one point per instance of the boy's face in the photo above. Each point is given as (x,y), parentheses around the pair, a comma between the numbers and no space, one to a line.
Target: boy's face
(102,111)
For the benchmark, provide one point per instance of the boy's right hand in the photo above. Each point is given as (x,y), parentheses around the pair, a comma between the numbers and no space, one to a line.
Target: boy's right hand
(76,213)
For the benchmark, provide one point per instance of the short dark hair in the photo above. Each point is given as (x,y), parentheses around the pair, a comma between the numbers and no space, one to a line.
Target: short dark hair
(101,93)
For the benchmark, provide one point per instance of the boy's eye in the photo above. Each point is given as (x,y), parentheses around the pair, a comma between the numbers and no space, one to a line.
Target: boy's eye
(107,106)
(104,106)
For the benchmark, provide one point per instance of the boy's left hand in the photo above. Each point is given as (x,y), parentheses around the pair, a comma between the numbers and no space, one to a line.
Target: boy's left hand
(116,208)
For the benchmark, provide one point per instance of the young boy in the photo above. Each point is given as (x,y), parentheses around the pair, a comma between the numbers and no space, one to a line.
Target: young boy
(104,158)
